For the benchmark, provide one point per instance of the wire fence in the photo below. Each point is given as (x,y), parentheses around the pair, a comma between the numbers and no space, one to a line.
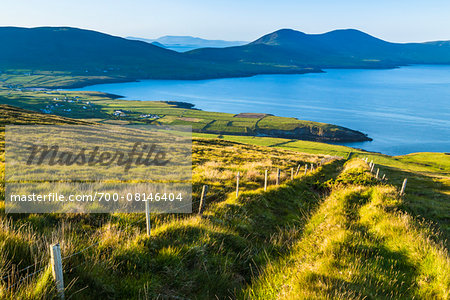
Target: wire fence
(11,285)
(16,283)
(21,270)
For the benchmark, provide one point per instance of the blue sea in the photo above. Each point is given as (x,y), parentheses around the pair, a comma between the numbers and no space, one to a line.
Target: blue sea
(404,110)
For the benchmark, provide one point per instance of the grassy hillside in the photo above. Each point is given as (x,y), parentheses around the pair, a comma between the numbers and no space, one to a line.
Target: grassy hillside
(428,174)
(359,244)
(186,255)
(14,115)
(353,235)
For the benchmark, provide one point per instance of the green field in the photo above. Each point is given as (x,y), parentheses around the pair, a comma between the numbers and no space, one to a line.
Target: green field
(46,79)
(16,90)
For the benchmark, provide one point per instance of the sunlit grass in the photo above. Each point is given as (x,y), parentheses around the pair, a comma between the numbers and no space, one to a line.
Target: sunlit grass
(294,241)
(359,245)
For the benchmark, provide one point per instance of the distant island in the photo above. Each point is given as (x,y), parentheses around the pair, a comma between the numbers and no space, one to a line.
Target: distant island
(88,57)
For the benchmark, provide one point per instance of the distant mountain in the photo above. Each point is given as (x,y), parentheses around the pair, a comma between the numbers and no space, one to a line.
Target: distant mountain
(187,43)
(336,49)
(90,53)
(86,52)
(109,58)
(159,45)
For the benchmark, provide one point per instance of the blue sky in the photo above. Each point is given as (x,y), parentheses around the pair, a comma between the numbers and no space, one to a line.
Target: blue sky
(393,20)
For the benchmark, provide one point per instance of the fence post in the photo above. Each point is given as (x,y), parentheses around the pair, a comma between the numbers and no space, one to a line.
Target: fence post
(237,184)
(403,187)
(202,200)
(306,168)
(292,173)
(57,270)
(147,217)
(371,168)
(298,169)
(378,173)
(265,180)
(278,176)
(312,167)
(384,177)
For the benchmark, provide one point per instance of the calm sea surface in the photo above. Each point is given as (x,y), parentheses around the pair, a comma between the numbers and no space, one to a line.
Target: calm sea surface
(404,110)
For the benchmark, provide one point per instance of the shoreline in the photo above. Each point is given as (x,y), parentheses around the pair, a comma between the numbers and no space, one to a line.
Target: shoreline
(120,79)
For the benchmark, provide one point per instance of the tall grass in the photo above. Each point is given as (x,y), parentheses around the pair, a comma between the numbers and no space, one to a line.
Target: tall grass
(359,245)
(187,255)
(334,233)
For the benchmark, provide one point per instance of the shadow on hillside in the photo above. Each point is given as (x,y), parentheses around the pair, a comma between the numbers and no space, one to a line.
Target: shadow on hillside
(426,198)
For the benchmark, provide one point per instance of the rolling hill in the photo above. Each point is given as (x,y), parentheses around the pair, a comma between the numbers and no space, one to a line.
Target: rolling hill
(86,53)
(336,49)
(90,53)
